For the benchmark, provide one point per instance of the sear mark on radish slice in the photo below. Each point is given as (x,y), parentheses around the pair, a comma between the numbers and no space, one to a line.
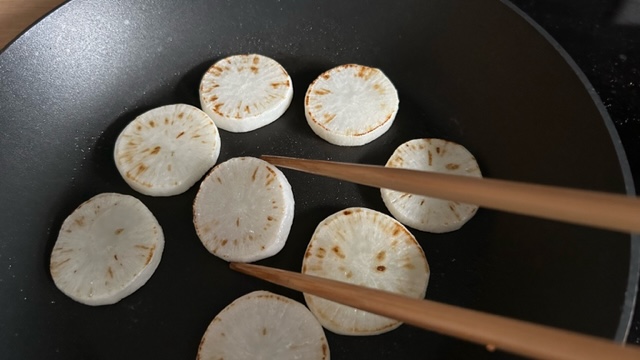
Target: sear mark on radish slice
(264,325)
(367,248)
(244,210)
(166,150)
(245,92)
(427,213)
(106,249)
(351,105)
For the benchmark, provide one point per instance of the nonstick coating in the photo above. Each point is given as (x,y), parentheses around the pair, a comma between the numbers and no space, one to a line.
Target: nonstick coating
(477,73)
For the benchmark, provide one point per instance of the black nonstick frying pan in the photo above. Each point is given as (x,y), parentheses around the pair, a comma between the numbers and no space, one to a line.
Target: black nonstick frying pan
(475,72)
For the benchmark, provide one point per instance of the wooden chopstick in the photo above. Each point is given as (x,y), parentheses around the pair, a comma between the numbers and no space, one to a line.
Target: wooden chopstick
(493,331)
(584,207)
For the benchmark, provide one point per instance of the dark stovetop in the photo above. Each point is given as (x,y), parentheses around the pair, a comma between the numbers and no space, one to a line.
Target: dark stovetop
(603,38)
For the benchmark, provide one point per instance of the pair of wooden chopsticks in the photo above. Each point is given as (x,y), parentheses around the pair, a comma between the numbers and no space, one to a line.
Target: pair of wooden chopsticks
(495,332)
(583,207)
(609,211)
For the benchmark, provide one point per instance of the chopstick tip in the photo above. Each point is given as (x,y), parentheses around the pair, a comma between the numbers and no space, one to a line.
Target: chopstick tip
(276,159)
(268,158)
(241,267)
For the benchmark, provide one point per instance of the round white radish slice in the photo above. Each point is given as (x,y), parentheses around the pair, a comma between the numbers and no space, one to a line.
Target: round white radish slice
(106,249)
(166,150)
(244,210)
(426,213)
(263,325)
(245,92)
(368,248)
(351,105)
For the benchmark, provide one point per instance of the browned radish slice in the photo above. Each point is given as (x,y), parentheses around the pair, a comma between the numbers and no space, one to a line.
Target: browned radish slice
(245,92)
(351,105)
(244,210)
(264,325)
(106,249)
(166,150)
(426,213)
(368,248)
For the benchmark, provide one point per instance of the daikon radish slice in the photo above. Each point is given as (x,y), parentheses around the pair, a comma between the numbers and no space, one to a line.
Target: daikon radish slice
(244,210)
(264,325)
(426,213)
(351,105)
(245,92)
(106,249)
(166,150)
(368,248)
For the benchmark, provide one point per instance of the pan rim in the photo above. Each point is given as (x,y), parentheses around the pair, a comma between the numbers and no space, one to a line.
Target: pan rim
(32,25)
(624,326)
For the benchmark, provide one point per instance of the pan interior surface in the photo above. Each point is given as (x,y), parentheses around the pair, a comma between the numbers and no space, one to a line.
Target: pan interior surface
(476,73)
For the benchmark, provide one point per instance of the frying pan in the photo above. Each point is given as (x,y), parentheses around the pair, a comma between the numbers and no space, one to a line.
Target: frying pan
(478,73)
